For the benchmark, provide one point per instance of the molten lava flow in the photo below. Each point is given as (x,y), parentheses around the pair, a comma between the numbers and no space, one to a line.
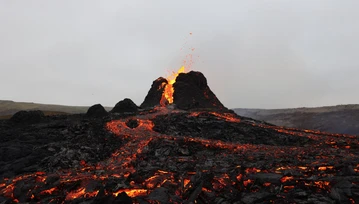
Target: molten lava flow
(132,192)
(168,92)
(122,167)
(76,194)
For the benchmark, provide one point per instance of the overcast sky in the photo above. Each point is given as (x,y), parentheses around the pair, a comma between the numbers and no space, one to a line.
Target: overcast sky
(255,54)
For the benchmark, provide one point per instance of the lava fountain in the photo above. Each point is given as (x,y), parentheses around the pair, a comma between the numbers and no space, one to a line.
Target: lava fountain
(168,91)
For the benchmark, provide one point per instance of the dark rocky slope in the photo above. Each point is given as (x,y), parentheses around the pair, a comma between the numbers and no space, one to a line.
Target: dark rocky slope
(342,119)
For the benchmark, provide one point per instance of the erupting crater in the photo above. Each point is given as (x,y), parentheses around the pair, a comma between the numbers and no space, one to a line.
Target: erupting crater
(167,95)
(184,90)
(197,152)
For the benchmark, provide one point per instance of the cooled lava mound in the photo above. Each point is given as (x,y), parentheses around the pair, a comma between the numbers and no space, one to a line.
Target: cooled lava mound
(96,110)
(194,151)
(191,91)
(155,94)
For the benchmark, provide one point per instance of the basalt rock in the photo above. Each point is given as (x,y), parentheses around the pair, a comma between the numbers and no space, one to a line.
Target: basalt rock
(174,157)
(125,106)
(132,123)
(27,117)
(96,111)
(154,95)
(192,91)
(57,142)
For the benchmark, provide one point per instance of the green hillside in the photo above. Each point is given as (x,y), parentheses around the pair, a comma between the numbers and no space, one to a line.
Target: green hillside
(8,108)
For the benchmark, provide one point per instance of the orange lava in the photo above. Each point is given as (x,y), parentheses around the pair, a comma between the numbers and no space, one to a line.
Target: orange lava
(120,165)
(76,194)
(169,90)
(132,192)
(286,179)
(50,191)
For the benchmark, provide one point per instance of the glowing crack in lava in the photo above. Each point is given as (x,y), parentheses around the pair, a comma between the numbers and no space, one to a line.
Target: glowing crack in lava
(124,163)
(168,92)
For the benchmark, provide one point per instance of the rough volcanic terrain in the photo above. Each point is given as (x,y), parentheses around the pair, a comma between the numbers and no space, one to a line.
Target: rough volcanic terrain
(195,153)
(342,119)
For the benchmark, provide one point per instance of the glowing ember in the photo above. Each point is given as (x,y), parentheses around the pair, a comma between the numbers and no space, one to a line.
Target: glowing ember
(132,192)
(303,167)
(76,194)
(286,178)
(186,182)
(239,177)
(322,184)
(206,190)
(286,188)
(246,183)
(50,191)
(324,168)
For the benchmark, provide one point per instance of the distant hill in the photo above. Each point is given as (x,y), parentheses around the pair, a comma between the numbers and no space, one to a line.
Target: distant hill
(336,119)
(8,108)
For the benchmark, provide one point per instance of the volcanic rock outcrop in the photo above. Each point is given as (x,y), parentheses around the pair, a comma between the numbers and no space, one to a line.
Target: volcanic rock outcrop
(27,117)
(190,91)
(154,95)
(96,110)
(125,106)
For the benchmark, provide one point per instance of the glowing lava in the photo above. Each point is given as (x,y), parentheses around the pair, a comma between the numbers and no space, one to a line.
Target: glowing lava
(122,167)
(168,92)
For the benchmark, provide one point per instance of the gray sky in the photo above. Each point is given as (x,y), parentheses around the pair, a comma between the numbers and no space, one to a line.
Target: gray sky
(255,54)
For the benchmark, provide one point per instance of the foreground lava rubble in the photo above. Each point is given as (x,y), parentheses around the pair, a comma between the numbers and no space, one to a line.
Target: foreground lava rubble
(196,151)
(173,156)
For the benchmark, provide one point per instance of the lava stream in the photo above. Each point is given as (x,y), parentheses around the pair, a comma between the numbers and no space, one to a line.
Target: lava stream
(120,165)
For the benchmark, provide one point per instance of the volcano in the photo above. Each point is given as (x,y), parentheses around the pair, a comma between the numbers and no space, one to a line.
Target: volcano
(186,91)
(181,146)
